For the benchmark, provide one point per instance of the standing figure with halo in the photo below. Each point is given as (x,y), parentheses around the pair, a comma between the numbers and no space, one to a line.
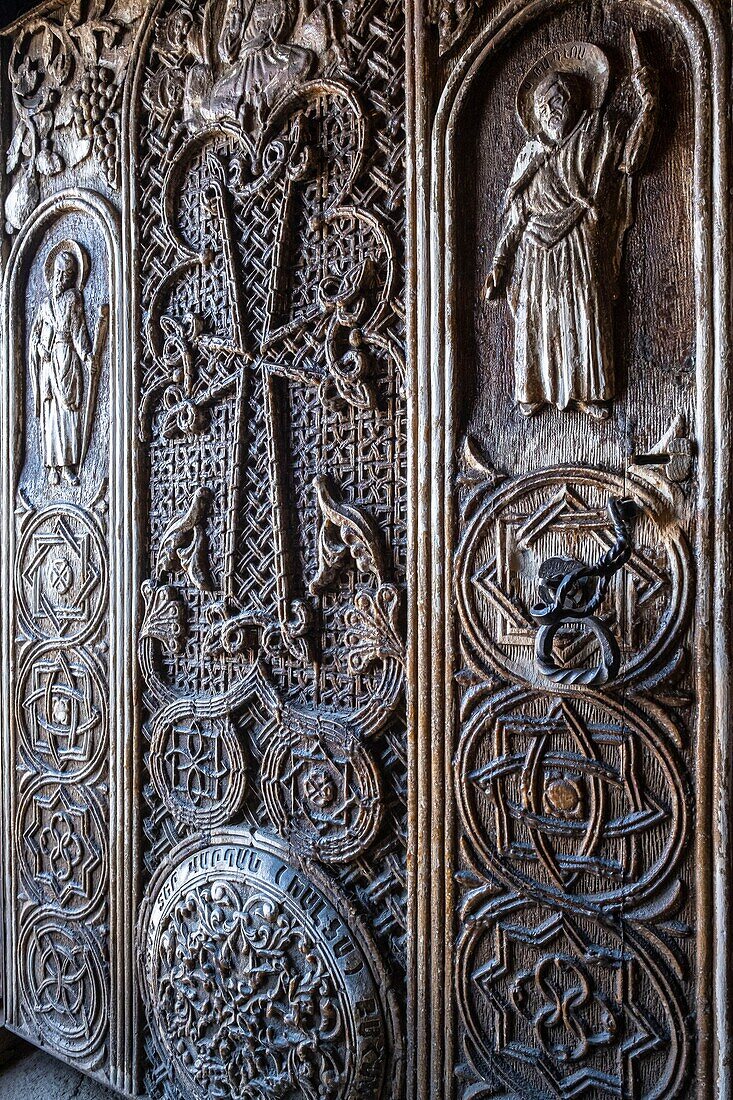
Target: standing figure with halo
(565,215)
(64,365)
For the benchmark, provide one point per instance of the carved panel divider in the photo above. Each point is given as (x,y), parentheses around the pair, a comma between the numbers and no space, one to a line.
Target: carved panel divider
(577,338)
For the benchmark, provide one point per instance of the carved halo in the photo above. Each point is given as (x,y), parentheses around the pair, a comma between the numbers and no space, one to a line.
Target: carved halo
(80,255)
(579,58)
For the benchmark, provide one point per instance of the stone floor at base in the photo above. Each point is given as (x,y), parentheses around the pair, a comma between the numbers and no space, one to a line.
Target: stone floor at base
(36,1076)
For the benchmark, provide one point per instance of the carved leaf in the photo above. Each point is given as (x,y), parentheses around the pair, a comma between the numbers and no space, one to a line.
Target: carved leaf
(372,632)
(164,616)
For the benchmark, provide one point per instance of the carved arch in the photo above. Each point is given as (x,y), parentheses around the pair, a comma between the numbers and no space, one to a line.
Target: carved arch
(98,654)
(705,36)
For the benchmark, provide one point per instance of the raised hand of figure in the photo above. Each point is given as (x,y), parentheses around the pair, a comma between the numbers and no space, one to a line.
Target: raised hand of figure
(494,279)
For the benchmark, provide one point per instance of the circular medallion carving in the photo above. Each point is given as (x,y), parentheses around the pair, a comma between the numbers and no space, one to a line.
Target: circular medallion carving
(62,710)
(322,791)
(63,985)
(61,845)
(578,801)
(558,514)
(545,1004)
(61,576)
(198,763)
(255,984)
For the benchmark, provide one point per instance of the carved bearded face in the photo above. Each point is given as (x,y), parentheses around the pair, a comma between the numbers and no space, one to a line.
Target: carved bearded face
(64,272)
(556,106)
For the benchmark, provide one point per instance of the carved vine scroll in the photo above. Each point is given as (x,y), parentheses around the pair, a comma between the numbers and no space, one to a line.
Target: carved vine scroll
(363,515)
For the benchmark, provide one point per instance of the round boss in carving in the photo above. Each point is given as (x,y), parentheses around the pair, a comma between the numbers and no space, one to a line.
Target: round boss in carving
(63,986)
(61,710)
(255,981)
(322,791)
(198,763)
(61,575)
(61,845)
(560,514)
(580,802)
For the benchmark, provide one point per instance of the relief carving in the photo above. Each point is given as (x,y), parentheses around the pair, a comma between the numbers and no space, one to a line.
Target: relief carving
(271,410)
(255,981)
(67,694)
(66,71)
(566,212)
(184,545)
(519,533)
(214,775)
(247,61)
(576,549)
(65,365)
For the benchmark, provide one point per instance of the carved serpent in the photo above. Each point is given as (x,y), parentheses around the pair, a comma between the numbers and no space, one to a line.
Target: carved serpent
(573,592)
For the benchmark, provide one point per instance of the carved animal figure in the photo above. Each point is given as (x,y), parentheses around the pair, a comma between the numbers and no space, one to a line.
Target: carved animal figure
(185,546)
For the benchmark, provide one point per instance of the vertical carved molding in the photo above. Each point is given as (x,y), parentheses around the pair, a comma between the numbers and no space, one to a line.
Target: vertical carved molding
(68,673)
(512,877)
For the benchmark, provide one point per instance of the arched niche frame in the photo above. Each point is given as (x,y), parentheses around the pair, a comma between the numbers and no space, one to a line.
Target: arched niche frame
(705,41)
(105,1046)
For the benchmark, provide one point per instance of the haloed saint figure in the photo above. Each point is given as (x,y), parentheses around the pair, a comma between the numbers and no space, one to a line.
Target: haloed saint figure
(60,356)
(565,214)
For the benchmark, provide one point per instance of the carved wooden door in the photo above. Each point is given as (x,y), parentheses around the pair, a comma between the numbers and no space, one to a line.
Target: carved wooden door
(365,546)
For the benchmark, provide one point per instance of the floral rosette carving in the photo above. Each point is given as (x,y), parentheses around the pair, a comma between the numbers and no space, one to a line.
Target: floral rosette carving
(257,987)
(245,995)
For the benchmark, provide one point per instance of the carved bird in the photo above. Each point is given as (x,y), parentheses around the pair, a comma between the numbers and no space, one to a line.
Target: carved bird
(185,546)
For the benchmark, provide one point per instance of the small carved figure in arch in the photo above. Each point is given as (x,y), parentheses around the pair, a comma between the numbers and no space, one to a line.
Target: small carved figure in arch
(64,364)
(247,59)
(565,215)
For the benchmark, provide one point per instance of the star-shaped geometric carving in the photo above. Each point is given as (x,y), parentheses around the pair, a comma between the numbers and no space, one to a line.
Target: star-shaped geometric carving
(567,794)
(63,844)
(559,1003)
(522,540)
(62,708)
(61,575)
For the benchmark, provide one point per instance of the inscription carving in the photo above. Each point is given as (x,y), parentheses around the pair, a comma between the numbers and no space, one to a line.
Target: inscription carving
(255,982)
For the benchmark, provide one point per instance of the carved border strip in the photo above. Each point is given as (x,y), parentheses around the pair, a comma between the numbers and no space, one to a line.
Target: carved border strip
(435,336)
(120,817)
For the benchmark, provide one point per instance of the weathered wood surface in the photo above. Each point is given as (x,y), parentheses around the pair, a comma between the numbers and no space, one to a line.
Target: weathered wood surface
(364,563)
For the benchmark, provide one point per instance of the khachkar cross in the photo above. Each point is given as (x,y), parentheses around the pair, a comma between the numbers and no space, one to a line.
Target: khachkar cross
(328,346)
